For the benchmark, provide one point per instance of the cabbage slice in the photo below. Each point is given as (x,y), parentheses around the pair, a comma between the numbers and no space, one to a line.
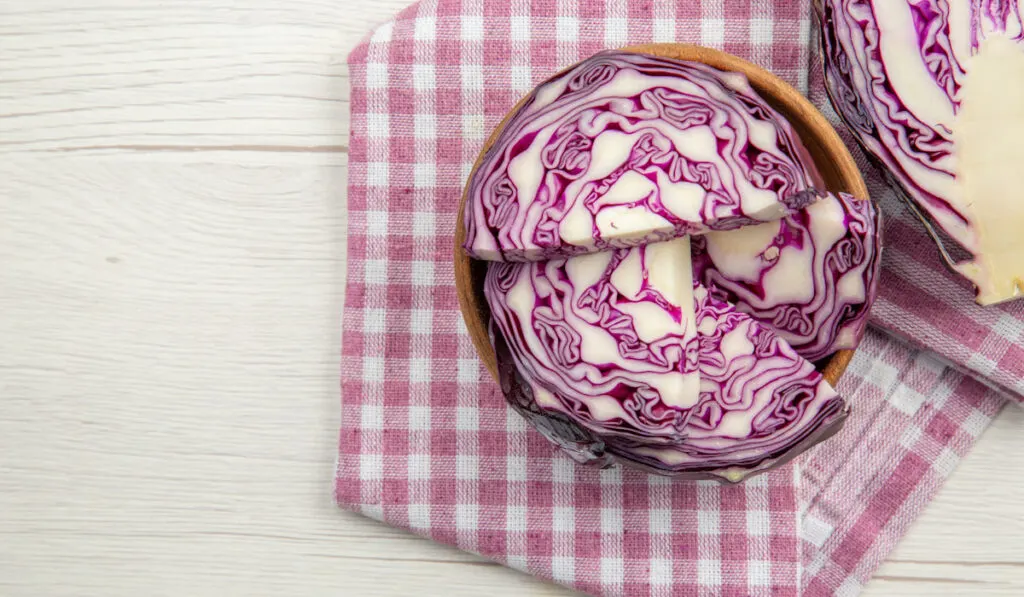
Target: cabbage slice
(934,91)
(761,404)
(811,277)
(626,149)
(701,390)
(608,339)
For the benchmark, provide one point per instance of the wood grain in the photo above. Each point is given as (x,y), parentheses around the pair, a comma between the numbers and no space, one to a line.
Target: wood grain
(169,321)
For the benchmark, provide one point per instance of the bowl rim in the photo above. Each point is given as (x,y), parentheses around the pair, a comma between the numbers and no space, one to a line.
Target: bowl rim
(468,281)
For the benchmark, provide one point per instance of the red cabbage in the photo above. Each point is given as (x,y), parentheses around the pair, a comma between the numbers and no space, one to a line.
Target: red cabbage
(611,334)
(934,92)
(625,149)
(811,276)
(618,356)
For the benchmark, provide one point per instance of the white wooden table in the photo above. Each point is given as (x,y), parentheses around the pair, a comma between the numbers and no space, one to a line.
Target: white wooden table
(172,220)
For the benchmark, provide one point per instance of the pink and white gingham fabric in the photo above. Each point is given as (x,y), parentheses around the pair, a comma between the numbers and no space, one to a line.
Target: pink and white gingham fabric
(427,442)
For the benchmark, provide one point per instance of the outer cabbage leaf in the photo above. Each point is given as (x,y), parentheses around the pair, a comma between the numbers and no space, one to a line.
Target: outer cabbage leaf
(934,92)
(811,277)
(579,443)
(626,149)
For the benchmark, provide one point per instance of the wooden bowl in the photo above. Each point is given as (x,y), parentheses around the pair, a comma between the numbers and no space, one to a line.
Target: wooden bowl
(836,166)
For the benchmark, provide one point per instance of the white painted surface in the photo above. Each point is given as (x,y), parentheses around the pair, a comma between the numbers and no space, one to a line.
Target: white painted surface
(171,259)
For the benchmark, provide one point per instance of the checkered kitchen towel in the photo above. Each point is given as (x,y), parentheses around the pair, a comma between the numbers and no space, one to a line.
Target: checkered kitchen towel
(427,441)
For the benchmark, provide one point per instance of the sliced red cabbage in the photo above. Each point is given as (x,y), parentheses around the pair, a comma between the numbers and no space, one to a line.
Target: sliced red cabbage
(760,403)
(607,339)
(811,277)
(934,91)
(699,390)
(626,149)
